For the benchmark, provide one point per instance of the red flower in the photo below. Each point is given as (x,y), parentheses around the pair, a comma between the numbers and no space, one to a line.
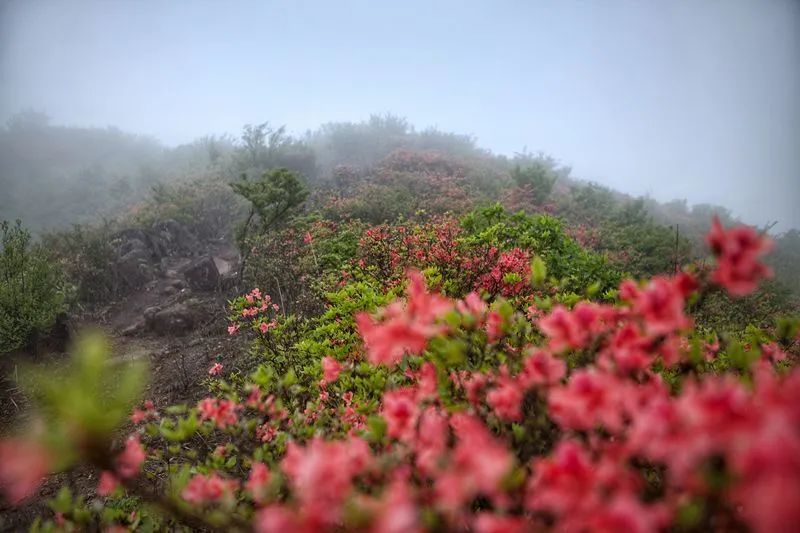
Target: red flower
(276,518)
(738,251)
(331,369)
(215,369)
(571,329)
(107,484)
(257,482)
(660,303)
(506,399)
(400,411)
(23,465)
(541,368)
(222,412)
(404,329)
(212,488)
(321,475)
(131,458)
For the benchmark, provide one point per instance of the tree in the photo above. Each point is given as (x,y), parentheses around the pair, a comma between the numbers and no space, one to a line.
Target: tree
(31,289)
(537,174)
(272,198)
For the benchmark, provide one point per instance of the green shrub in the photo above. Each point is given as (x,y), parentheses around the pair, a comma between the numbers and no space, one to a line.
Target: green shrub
(31,291)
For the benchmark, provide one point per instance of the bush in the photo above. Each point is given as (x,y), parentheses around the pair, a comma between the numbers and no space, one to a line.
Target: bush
(404,408)
(31,289)
(85,256)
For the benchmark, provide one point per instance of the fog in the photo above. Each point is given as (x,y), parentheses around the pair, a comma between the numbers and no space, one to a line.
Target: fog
(695,100)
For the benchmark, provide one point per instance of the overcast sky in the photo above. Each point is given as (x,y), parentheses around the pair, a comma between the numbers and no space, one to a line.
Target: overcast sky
(676,99)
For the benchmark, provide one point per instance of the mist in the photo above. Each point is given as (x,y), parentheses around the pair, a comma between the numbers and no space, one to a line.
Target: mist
(673,100)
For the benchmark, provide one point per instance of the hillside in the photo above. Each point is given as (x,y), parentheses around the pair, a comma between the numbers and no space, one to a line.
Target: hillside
(335,324)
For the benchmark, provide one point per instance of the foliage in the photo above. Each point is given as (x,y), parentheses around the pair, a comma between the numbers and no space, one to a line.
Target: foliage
(439,413)
(205,204)
(297,263)
(272,199)
(416,363)
(537,178)
(575,268)
(31,288)
(84,255)
(262,148)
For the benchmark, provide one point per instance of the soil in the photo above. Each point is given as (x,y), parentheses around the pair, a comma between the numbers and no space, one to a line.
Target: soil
(177,365)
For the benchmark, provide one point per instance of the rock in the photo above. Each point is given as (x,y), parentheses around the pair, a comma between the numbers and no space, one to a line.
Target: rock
(202,274)
(228,281)
(133,329)
(169,290)
(175,238)
(177,319)
(137,239)
(134,268)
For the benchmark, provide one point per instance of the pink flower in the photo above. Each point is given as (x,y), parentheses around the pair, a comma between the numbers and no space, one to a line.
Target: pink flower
(23,465)
(307,238)
(257,482)
(400,412)
(541,368)
(266,326)
(561,482)
(233,329)
(215,369)
(212,488)
(486,522)
(570,329)
(321,475)
(108,483)
(276,518)
(506,399)
(472,305)
(331,369)
(660,303)
(404,329)
(479,464)
(396,511)
(588,399)
(510,274)
(495,326)
(222,412)
(149,412)
(266,432)
(431,441)
(738,251)
(131,458)
(629,350)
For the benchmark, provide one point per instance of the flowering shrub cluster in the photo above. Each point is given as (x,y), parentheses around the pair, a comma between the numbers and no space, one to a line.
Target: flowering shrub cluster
(405,183)
(474,411)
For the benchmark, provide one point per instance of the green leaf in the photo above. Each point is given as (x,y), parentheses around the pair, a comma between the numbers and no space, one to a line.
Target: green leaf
(538,271)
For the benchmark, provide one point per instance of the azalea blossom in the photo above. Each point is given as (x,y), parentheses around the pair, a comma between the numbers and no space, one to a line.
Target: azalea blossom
(221,412)
(107,484)
(257,482)
(404,328)
(212,488)
(738,251)
(23,465)
(331,369)
(130,460)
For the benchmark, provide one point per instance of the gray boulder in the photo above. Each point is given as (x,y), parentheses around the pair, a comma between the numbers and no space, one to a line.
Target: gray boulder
(177,319)
(202,274)
(174,238)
